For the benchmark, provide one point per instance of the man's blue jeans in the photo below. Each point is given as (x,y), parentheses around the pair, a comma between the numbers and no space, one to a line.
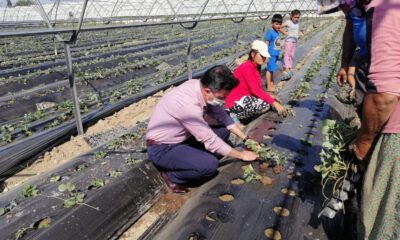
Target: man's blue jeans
(187,161)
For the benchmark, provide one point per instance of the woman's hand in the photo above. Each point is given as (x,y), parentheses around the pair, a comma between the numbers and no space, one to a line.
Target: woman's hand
(279,108)
(248,156)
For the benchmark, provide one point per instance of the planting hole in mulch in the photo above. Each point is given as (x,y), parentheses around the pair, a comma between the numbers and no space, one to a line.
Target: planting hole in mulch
(302,152)
(309,134)
(272,234)
(42,223)
(289,192)
(195,236)
(265,180)
(266,137)
(226,197)
(237,181)
(281,211)
(208,218)
(263,167)
(316,115)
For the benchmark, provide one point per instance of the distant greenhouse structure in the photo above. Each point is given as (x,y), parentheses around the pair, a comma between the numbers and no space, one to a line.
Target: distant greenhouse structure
(123,11)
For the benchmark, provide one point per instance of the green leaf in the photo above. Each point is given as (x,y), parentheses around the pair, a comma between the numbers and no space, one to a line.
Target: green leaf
(62,188)
(2,211)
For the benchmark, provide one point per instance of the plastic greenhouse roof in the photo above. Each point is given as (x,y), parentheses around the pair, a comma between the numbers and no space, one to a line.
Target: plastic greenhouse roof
(106,11)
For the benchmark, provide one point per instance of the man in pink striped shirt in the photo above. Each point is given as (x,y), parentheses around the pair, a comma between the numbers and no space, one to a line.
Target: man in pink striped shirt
(180,142)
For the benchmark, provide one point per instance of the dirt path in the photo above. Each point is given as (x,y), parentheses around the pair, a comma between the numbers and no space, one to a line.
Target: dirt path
(127,117)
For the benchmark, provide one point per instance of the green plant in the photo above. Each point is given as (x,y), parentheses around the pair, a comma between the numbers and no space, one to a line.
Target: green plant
(6,132)
(55,179)
(29,191)
(21,233)
(74,197)
(97,183)
(266,154)
(24,128)
(2,211)
(81,167)
(100,155)
(249,174)
(39,114)
(335,158)
(115,173)
(130,160)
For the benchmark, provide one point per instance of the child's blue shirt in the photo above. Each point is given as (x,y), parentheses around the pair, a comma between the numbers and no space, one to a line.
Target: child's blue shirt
(274,47)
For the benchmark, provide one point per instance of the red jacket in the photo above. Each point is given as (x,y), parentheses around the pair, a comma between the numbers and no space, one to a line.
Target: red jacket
(250,84)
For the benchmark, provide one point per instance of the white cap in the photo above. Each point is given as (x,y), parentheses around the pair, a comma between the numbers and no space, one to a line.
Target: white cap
(261,47)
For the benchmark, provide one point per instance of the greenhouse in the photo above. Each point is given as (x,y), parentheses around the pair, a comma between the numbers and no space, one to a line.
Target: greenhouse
(97,97)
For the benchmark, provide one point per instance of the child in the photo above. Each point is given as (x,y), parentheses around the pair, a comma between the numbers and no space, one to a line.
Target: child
(274,49)
(292,27)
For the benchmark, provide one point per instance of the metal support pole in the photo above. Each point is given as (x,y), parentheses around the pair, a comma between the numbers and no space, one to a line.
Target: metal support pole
(108,39)
(236,45)
(55,46)
(189,55)
(72,86)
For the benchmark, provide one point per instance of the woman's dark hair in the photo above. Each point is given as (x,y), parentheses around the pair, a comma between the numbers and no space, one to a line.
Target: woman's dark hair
(295,12)
(252,59)
(219,78)
(277,18)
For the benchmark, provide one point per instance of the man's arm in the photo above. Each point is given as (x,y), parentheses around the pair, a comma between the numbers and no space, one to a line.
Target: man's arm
(377,109)
(348,48)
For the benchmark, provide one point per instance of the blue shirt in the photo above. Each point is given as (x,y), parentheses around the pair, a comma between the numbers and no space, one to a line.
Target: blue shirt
(359,33)
(274,46)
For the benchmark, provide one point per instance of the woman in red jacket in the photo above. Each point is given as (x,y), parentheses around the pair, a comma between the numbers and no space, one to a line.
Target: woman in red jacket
(248,100)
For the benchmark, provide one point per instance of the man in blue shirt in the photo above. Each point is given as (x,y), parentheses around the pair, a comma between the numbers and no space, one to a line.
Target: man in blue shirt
(274,48)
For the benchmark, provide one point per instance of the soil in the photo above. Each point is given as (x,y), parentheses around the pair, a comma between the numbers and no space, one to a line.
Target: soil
(265,180)
(237,181)
(169,203)
(273,234)
(281,211)
(277,169)
(226,197)
(263,167)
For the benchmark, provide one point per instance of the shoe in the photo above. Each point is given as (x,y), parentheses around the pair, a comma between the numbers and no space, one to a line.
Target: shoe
(176,188)
(285,76)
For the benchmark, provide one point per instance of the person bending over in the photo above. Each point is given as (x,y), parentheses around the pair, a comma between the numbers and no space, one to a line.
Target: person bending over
(179,140)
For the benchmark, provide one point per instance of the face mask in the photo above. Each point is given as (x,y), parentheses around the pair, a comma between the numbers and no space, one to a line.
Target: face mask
(216,102)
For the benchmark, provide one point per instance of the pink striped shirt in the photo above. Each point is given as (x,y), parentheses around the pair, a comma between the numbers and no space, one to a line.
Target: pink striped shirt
(385,54)
(180,115)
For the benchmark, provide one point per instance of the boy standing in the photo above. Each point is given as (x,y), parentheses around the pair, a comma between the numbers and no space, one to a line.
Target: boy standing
(274,48)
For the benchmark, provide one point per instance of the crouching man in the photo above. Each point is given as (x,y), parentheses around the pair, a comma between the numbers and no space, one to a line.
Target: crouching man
(181,143)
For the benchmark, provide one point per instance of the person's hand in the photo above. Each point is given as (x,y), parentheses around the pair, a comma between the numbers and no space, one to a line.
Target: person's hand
(240,126)
(352,94)
(248,156)
(279,108)
(341,76)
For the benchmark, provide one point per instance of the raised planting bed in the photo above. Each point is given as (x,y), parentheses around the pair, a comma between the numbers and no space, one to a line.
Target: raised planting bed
(257,202)
(94,196)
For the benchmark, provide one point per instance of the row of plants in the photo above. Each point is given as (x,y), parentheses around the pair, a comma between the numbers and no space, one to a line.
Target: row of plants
(91,100)
(122,41)
(303,87)
(70,187)
(64,111)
